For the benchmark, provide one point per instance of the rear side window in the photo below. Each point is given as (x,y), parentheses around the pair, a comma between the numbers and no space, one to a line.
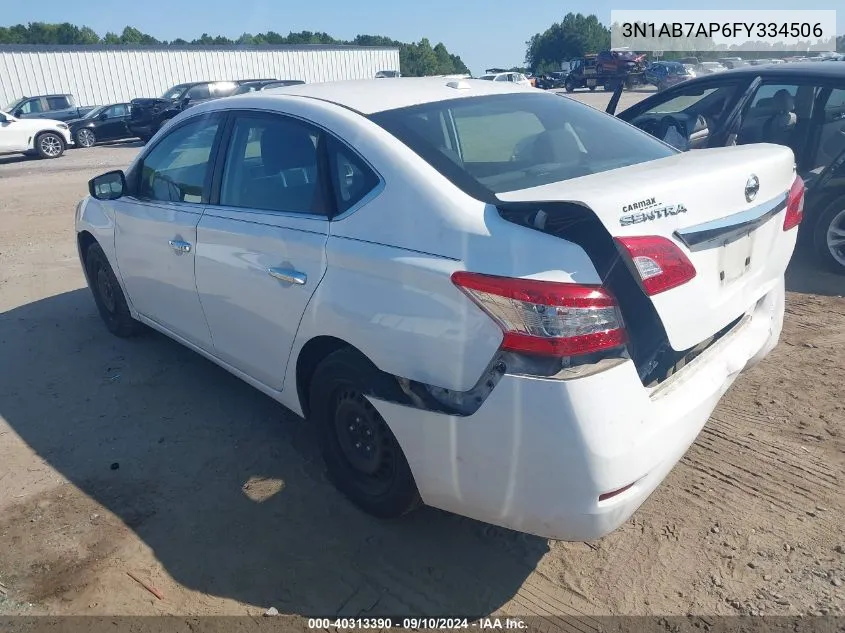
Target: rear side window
(508,142)
(352,178)
(58,103)
(271,165)
(198,92)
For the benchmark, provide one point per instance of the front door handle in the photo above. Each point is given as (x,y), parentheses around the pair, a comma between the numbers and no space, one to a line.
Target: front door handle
(180,247)
(289,275)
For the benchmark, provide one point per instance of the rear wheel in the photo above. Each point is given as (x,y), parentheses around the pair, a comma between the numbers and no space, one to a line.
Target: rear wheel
(49,145)
(570,87)
(362,456)
(111,303)
(829,236)
(86,138)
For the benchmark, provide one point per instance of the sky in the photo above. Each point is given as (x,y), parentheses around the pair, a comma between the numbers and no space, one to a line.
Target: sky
(485,34)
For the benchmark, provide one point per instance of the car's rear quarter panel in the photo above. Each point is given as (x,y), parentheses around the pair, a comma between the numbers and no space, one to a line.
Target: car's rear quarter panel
(388,291)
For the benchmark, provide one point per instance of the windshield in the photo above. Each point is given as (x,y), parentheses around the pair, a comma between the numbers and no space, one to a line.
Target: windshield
(95,112)
(498,143)
(12,106)
(175,92)
(488,77)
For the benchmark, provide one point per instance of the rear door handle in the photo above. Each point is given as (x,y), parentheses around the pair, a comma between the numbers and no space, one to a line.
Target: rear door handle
(289,275)
(180,247)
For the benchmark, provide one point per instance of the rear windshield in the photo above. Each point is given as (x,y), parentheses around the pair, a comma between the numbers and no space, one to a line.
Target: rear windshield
(492,144)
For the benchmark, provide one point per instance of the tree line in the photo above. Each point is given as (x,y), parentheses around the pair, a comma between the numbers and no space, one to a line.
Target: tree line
(415,58)
(578,35)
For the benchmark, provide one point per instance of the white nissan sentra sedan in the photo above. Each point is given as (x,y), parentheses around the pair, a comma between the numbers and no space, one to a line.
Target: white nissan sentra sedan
(501,303)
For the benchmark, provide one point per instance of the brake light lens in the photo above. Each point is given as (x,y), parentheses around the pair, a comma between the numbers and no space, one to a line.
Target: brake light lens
(794,205)
(544,317)
(660,264)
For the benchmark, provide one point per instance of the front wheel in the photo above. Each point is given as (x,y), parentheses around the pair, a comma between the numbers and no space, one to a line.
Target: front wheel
(362,456)
(111,304)
(86,138)
(49,145)
(829,236)
(570,87)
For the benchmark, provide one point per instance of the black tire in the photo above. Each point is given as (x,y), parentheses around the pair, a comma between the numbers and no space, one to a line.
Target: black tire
(111,304)
(363,458)
(49,145)
(569,86)
(834,213)
(592,88)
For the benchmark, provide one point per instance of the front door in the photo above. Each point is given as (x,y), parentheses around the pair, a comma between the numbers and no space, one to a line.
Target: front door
(156,228)
(114,126)
(14,135)
(689,116)
(261,243)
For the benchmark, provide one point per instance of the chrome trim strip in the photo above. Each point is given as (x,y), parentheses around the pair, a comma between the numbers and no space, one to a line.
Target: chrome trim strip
(731,227)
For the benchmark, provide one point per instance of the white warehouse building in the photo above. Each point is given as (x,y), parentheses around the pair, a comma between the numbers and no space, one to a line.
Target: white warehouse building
(99,75)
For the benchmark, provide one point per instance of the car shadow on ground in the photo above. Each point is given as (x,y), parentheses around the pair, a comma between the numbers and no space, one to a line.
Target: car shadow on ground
(805,275)
(11,159)
(224,485)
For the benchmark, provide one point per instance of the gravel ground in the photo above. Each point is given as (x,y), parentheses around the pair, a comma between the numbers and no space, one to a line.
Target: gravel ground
(139,456)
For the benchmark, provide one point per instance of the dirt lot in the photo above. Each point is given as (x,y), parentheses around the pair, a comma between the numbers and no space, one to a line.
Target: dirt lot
(139,456)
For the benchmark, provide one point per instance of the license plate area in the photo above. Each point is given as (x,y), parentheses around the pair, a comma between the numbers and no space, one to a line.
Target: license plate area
(735,259)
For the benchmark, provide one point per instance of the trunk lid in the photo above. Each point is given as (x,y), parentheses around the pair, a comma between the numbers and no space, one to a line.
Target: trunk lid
(698,200)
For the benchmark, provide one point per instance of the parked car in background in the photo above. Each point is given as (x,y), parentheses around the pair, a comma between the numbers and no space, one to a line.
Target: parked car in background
(799,105)
(553,80)
(147,116)
(104,123)
(732,62)
(709,68)
(691,69)
(56,107)
(666,74)
(434,369)
(510,77)
(41,137)
(388,74)
(266,84)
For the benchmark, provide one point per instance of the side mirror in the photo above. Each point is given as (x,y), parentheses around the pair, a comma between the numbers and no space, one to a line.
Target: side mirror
(108,186)
(17,114)
(103,116)
(4,118)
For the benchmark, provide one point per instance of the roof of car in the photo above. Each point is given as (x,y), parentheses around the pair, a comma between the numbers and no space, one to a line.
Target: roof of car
(803,69)
(369,96)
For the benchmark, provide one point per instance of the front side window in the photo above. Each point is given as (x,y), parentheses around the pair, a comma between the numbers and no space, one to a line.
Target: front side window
(33,106)
(832,133)
(508,142)
(175,170)
(271,165)
(116,111)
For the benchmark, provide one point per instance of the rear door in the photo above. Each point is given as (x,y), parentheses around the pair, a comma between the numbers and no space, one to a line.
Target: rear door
(261,242)
(156,227)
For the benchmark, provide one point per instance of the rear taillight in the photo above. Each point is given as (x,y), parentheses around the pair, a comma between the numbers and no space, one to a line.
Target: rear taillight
(794,205)
(660,264)
(546,317)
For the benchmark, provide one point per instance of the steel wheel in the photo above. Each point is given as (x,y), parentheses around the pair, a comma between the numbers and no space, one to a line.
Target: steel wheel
(836,237)
(50,146)
(363,438)
(86,138)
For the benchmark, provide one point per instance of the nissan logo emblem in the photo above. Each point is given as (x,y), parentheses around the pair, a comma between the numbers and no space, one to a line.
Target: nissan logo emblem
(752,186)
